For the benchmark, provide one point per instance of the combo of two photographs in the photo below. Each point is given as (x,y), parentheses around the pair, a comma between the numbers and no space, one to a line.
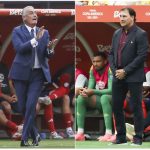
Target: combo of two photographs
(75,74)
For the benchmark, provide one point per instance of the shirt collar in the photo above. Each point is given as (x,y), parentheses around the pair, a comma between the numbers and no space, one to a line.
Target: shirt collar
(29,28)
(129,30)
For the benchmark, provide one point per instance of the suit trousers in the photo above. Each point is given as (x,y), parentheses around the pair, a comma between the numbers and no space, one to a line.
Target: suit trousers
(28,93)
(119,91)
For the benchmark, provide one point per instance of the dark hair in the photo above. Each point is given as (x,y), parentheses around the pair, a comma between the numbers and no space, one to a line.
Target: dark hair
(102,54)
(131,12)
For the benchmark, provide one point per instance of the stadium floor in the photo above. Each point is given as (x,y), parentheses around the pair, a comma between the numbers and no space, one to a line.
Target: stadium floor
(106,145)
(48,143)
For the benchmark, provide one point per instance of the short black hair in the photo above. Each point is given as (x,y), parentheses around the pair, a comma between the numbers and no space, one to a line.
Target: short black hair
(131,12)
(102,54)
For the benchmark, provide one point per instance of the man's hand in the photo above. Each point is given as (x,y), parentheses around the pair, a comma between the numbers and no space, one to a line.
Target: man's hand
(82,92)
(14,98)
(10,99)
(87,92)
(40,33)
(120,74)
(51,44)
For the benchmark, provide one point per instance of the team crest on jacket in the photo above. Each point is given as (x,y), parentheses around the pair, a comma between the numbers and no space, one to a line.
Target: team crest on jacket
(100,85)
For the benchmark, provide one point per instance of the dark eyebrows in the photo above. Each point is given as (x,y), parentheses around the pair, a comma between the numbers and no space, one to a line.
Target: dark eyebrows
(123,15)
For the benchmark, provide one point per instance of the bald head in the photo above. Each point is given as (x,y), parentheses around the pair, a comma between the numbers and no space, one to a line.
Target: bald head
(29,16)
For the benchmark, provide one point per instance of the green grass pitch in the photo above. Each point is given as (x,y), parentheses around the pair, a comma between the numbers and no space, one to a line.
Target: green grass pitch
(48,143)
(70,143)
(105,145)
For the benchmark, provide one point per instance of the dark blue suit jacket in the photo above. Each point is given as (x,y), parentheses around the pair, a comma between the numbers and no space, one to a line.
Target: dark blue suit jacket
(22,64)
(133,54)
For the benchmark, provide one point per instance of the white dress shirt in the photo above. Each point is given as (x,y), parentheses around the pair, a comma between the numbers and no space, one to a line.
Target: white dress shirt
(34,44)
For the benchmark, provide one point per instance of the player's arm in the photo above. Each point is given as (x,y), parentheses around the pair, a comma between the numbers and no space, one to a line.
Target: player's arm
(90,90)
(80,83)
(12,89)
(6,97)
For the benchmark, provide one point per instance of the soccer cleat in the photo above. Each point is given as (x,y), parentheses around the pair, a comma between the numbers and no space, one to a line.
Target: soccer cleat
(44,100)
(55,135)
(112,139)
(105,138)
(79,137)
(70,133)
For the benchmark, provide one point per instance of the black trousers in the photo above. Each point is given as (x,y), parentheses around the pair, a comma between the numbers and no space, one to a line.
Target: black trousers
(119,91)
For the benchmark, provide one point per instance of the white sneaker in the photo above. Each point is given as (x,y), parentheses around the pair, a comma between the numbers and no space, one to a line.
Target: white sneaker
(17,136)
(70,133)
(55,135)
(45,100)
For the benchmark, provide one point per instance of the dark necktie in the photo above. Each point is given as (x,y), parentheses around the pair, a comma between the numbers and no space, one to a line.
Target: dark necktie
(33,50)
(32,33)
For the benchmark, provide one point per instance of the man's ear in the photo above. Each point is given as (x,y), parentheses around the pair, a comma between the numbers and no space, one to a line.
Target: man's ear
(132,18)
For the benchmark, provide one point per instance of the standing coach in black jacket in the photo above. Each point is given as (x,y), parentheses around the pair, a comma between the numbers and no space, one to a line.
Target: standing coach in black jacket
(127,56)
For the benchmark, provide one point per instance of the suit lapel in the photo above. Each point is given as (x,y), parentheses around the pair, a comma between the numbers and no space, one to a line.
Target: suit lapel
(37,48)
(118,38)
(131,34)
(117,42)
(26,32)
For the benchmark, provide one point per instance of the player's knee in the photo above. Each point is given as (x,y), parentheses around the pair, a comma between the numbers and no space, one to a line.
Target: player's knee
(80,99)
(105,100)
(1,112)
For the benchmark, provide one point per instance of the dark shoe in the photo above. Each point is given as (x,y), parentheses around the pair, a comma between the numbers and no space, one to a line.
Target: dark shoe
(36,141)
(136,141)
(24,143)
(118,141)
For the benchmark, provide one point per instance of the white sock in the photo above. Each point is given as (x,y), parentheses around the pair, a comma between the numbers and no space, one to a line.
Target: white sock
(108,131)
(80,130)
